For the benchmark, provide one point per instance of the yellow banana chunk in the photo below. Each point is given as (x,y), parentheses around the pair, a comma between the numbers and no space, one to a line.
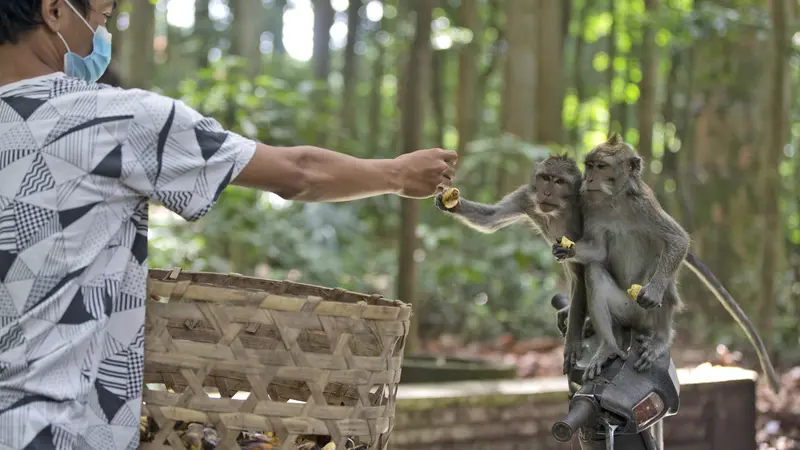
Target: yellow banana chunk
(450,198)
(566,243)
(633,292)
(330,446)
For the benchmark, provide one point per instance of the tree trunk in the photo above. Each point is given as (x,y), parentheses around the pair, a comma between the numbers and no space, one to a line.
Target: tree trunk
(376,94)
(278,48)
(323,20)
(779,101)
(467,101)
(519,91)
(613,117)
(669,171)
(550,73)
(349,72)
(139,45)
(685,129)
(412,121)
(438,74)
(203,32)
(577,75)
(647,88)
(496,59)
(246,34)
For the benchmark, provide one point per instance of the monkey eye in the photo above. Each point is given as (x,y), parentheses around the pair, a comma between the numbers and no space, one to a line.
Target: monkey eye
(559,181)
(546,177)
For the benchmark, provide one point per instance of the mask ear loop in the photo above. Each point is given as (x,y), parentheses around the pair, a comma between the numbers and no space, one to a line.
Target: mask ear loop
(64,41)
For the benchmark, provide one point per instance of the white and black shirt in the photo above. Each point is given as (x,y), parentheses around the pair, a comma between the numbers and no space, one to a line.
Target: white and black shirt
(78,164)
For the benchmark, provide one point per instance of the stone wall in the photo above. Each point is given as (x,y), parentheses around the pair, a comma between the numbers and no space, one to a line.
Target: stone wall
(717,413)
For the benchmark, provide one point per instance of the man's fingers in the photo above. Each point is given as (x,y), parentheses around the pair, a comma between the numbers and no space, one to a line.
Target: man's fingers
(449,173)
(450,156)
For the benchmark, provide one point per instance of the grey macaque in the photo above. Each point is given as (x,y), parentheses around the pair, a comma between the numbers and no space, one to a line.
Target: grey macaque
(549,202)
(627,240)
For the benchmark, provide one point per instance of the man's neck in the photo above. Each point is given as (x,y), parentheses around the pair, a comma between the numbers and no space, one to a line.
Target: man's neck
(26,61)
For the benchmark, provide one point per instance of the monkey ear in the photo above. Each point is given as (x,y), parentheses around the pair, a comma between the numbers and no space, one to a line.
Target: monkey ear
(635,166)
(614,139)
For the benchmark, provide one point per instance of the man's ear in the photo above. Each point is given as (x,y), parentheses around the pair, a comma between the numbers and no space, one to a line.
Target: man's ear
(52,13)
(635,166)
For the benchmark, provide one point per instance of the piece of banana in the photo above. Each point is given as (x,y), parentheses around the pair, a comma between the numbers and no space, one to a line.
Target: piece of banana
(566,243)
(450,198)
(633,292)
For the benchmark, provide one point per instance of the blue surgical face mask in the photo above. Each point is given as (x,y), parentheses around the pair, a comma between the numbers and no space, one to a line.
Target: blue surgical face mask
(92,67)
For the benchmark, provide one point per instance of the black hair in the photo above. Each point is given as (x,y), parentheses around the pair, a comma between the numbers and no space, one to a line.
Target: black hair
(17,17)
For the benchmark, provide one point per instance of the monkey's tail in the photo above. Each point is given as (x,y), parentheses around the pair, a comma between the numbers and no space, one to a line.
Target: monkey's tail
(715,286)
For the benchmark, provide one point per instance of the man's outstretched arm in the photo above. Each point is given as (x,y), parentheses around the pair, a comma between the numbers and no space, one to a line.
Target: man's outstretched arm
(312,174)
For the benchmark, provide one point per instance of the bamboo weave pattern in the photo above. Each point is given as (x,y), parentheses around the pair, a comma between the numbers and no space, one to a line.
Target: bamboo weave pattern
(339,352)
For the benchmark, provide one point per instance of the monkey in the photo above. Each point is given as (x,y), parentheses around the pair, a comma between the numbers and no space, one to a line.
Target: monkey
(628,238)
(549,202)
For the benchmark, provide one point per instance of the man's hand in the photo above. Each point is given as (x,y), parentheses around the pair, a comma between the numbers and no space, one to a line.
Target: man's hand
(424,173)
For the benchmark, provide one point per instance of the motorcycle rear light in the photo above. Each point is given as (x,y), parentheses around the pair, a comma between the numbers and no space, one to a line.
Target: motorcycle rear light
(647,410)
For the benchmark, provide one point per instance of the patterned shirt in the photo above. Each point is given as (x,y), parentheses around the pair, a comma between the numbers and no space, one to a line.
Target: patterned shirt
(78,164)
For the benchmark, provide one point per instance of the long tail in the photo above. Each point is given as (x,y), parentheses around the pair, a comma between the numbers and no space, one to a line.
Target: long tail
(715,286)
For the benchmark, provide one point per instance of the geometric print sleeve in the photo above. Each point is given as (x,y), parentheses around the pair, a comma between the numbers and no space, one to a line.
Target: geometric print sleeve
(177,157)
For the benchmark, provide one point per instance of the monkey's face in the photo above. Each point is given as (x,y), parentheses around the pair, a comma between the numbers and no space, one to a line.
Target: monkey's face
(599,177)
(609,172)
(553,190)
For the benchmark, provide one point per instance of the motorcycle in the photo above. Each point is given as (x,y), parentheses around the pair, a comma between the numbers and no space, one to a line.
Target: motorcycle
(622,408)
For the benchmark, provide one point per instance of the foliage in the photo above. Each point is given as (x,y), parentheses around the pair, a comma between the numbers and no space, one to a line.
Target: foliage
(471,284)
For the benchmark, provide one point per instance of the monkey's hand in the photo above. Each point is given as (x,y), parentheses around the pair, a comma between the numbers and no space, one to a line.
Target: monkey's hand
(563,248)
(603,355)
(448,201)
(572,353)
(561,320)
(653,347)
(647,297)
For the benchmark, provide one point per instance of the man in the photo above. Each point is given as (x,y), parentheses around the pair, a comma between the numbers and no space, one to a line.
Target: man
(78,163)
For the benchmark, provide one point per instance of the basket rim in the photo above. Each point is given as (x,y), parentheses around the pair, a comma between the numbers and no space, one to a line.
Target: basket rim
(284,288)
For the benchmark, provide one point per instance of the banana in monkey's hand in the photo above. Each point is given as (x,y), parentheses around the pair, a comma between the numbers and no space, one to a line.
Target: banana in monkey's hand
(566,243)
(450,198)
(633,292)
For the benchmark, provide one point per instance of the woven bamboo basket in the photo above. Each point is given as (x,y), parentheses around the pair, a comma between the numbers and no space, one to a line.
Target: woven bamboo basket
(234,351)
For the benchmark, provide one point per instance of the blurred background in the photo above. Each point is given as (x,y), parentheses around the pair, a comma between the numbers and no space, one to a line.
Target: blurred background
(702,88)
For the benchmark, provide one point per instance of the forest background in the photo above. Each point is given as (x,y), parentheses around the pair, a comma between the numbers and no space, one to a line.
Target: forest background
(703,89)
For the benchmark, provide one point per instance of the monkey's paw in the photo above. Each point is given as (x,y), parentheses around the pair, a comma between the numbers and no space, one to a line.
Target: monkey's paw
(561,252)
(572,353)
(601,358)
(652,349)
(649,297)
(439,202)
(561,320)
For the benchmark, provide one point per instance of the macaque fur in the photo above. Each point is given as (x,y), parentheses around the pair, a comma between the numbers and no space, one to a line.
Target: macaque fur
(629,239)
(549,202)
